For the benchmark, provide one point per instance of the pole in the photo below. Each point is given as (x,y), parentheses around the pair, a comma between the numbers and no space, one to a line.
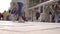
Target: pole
(26,7)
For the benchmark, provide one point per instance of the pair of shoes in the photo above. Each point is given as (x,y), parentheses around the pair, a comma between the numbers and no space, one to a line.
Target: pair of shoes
(21,21)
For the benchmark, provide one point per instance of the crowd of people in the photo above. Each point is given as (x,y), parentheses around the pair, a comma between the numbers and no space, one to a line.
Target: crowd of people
(51,13)
(11,16)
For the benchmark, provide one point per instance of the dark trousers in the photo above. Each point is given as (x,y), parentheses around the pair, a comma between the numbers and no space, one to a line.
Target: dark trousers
(37,18)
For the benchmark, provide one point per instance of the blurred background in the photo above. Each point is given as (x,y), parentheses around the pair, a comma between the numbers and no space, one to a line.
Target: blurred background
(30,10)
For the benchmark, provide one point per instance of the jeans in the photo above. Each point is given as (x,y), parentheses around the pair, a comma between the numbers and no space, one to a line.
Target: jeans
(57,18)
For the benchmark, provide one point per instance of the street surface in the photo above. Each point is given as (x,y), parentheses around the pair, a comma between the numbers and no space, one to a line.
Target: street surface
(9,27)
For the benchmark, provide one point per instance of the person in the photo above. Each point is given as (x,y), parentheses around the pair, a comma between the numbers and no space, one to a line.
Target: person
(19,11)
(5,14)
(48,12)
(37,15)
(52,16)
(1,16)
(14,14)
(57,13)
(9,15)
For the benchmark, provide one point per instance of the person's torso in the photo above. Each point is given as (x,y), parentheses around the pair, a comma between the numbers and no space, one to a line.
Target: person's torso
(37,14)
(5,14)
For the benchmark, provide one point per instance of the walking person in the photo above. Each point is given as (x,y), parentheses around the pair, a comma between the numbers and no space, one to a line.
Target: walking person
(14,14)
(19,11)
(48,12)
(1,16)
(37,15)
(57,12)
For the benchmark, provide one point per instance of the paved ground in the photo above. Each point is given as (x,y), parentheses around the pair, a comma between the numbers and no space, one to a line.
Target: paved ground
(9,27)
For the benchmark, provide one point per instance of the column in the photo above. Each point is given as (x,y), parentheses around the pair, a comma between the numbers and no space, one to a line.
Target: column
(26,8)
(43,9)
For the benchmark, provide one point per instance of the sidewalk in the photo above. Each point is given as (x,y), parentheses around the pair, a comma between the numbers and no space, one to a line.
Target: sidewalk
(9,27)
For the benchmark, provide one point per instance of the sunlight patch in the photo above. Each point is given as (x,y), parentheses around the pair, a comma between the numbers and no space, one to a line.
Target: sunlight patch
(4,5)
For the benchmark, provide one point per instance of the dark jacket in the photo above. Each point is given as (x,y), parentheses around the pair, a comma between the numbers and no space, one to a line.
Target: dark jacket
(37,14)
